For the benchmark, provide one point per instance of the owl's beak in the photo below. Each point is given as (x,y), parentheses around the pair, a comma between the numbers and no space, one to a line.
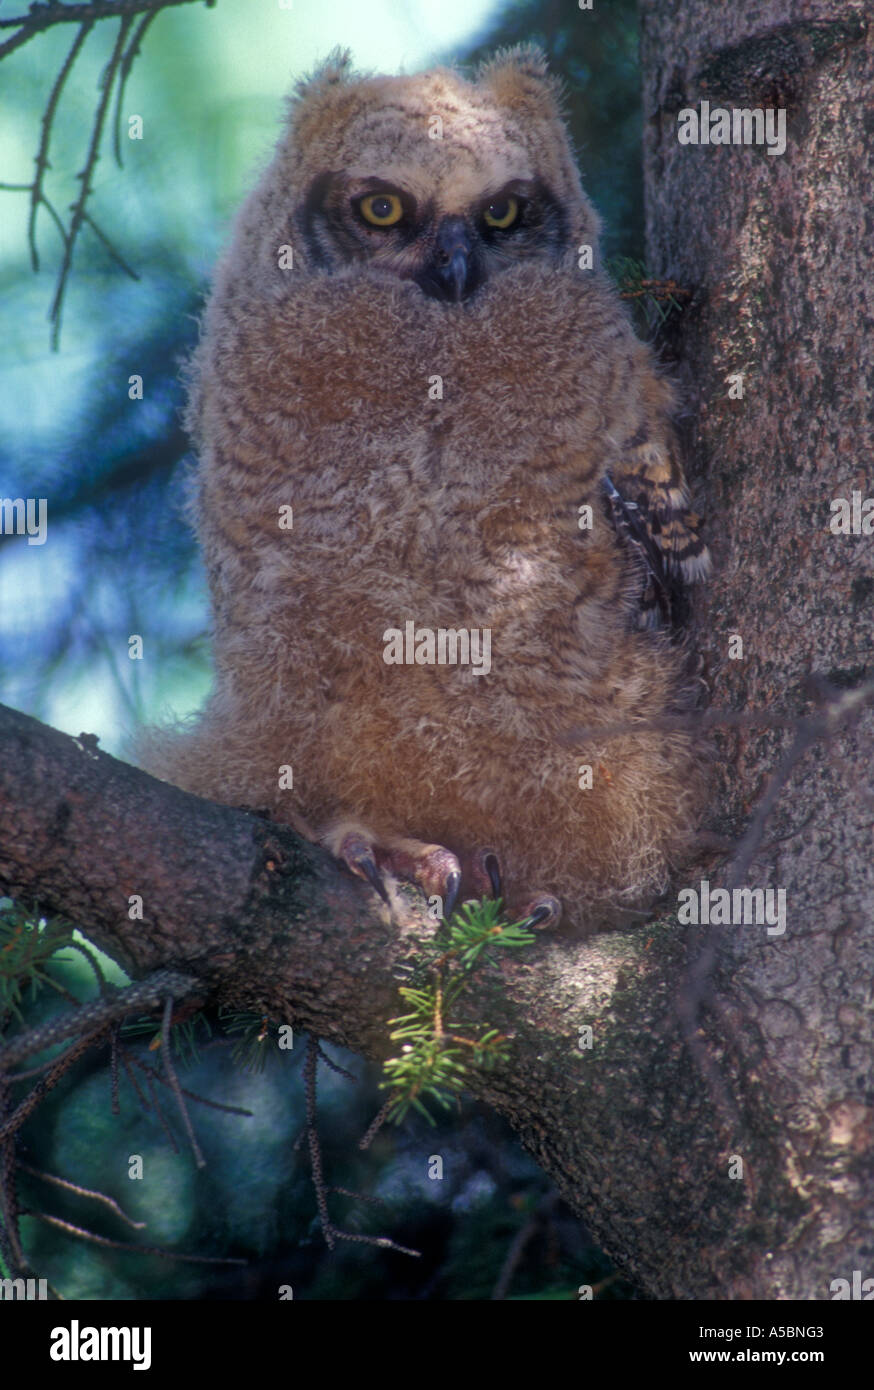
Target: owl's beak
(452,272)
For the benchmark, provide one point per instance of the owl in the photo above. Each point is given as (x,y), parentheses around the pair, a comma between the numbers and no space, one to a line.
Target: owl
(437,488)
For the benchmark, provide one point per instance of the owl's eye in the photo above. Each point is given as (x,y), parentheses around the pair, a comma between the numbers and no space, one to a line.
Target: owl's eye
(381,209)
(502,213)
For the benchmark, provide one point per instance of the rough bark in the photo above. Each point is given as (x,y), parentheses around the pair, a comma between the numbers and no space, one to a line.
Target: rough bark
(777,250)
(262,918)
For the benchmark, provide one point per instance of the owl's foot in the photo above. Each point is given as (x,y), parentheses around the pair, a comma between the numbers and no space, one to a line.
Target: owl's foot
(358,854)
(543,911)
(433,868)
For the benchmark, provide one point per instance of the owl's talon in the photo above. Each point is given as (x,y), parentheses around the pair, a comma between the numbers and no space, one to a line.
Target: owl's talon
(358,856)
(372,874)
(450,893)
(487,873)
(542,913)
(368,854)
(493,869)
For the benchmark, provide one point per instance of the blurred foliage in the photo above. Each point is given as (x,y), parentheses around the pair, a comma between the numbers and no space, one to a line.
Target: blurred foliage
(121,561)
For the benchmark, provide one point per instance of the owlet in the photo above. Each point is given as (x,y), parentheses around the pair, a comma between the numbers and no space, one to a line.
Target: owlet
(420,412)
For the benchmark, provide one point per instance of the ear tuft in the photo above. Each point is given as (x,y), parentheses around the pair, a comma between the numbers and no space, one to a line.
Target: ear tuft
(331,72)
(318,100)
(529,59)
(520,78)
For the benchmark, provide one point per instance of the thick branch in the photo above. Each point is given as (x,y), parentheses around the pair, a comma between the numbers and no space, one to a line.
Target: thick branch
(222,890)
(267,920)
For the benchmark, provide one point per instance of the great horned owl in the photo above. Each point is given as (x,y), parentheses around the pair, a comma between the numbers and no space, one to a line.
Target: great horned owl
(420,410)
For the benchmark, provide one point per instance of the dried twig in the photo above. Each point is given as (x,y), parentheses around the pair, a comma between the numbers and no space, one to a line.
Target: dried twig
(331,1232)
(60,1066)
(173,1081)
(538,1219)
(98,1013)
(86,174)
(37,194)
(83,1234)
(80,1191)
(335,1066)
(124,71)
(38,18)
(130,1060)
(375,1125)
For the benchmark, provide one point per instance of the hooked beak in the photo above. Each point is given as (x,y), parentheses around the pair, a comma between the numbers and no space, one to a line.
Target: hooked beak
(452,273)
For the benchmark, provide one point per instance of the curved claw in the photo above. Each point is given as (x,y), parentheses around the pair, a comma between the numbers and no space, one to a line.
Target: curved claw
(433,868)
(543,912)
(367,866)
(493,869)
(357,855)
(450,893)
(486,873)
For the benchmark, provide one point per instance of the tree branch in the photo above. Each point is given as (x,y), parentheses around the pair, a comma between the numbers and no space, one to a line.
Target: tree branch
(253,915)
(43,16)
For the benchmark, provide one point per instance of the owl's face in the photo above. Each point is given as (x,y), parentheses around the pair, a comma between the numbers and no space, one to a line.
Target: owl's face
(448,245)
(434,180)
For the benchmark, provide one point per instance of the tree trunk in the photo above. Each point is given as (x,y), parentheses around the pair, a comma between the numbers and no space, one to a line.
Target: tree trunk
(777,250)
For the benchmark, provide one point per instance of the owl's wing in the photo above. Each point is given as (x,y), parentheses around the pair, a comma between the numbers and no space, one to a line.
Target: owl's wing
(649,502)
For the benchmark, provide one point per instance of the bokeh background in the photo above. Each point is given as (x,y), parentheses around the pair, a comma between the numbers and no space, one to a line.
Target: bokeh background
(210,85)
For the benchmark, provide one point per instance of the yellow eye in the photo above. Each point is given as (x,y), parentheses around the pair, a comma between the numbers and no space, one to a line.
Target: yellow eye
(381,209)
(502,213)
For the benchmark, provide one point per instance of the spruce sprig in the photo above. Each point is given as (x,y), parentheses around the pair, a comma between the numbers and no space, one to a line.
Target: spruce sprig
(661,297)
(252,1030)
(184,1035)
(436,1052)
(248,1028)
(28,945)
